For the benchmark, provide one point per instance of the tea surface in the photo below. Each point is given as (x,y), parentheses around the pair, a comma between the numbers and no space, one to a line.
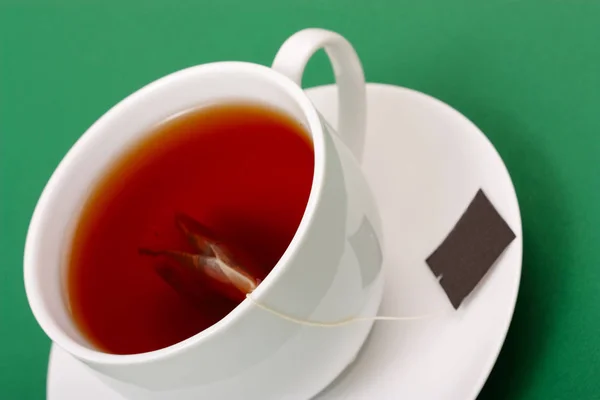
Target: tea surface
(242,170)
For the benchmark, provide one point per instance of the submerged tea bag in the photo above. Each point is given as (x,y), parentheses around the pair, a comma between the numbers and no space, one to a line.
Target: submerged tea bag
(211,261)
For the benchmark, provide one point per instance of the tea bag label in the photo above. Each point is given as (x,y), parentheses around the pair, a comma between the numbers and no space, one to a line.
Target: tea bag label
(470,249)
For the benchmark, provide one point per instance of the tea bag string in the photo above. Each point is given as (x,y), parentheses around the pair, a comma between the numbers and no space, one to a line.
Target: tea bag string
(213,260)
(334,324)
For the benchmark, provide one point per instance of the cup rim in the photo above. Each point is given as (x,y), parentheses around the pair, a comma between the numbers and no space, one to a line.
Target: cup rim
(33,284)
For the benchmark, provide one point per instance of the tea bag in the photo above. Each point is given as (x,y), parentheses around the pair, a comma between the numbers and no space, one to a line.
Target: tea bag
(212,262)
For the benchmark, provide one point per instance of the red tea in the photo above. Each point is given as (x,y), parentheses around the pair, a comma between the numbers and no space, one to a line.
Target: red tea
(243,171)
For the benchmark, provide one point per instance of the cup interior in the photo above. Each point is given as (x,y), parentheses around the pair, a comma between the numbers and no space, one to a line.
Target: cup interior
(57,212)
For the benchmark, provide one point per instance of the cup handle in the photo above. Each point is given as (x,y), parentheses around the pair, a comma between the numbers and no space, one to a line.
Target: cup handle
(291,59)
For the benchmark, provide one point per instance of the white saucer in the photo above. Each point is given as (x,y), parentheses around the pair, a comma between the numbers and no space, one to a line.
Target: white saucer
(425,162)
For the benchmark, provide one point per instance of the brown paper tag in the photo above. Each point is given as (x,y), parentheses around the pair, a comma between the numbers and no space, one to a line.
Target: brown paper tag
(470,249)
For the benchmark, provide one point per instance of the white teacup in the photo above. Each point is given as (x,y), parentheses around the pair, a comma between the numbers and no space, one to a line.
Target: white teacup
(332,269)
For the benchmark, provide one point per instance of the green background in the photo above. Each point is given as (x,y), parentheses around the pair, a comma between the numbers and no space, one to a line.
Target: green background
(526,72)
